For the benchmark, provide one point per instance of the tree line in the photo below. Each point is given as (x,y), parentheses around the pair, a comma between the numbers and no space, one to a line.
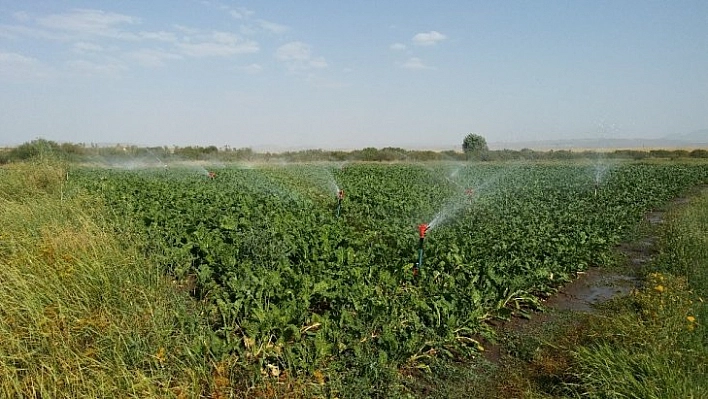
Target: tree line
(472,150)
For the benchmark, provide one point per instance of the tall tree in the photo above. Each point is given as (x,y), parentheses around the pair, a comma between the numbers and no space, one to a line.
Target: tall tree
(475,146)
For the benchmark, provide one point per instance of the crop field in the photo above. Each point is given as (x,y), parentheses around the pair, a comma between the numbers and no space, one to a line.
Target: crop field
(297,276)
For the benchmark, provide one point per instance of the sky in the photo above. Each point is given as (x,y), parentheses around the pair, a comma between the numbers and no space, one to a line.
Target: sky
(350,74)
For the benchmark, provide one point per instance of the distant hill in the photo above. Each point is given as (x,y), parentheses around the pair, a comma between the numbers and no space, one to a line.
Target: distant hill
(697,136)
(696,139)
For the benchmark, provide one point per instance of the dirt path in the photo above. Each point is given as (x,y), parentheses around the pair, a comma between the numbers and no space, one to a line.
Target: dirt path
(592,287)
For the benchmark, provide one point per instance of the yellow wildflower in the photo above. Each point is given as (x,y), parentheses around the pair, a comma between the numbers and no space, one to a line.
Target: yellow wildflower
(161,355)
(221,382)
(659,288)
(319,377)
(691,319)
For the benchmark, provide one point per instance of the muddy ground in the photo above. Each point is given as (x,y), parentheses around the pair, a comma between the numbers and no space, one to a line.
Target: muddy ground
(583,295)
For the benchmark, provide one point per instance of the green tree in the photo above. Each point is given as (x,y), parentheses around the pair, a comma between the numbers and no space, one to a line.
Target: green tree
(39,148)
(475,146)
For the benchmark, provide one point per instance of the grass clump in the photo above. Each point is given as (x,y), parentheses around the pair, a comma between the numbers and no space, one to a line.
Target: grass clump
(653,345)
(82,313)
(649,344)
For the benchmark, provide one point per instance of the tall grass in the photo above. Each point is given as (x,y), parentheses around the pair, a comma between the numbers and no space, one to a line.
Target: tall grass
(82,312)
(655,347)
(684,243)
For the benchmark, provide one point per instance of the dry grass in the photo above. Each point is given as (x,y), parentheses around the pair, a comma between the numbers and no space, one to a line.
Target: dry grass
(82,313)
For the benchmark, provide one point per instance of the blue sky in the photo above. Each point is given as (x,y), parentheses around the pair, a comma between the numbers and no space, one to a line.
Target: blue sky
(326,74)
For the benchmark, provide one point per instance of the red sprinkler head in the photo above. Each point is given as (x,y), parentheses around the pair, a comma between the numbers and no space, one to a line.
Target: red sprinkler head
(212,175)
(340,194)
(469,191)
(422,229)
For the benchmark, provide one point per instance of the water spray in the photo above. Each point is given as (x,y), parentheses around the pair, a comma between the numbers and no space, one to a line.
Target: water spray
(601,169)
(598,178)
(422,229)
(340,197)
(164,165)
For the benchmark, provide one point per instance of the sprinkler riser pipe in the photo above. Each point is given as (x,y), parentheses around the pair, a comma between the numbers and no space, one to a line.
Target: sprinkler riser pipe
(420,253)
(340,197)
(422,229)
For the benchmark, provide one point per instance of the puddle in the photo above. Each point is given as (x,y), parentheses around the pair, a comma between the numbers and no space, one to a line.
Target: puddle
(591,288)
(655,217)
(581,296)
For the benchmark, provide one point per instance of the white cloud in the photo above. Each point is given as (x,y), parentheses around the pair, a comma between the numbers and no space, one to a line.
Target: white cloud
(239,12)
(109,69)
(325,83)
(272,26)
(397,46)
(160,36)
(428,38)
(16,31)
(298,56)
(186,29)
(84,47)
(247,30)
(16,59)
(414,63)
(252,69)
(90,22)
(217,44)
(318,62)
(215,49)
(21,16)
(88,32)
(293,51)
(18,67)
(226,38)
(152,58)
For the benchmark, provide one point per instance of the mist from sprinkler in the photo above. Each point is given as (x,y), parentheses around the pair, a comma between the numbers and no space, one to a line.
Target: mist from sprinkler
(466,196)
(600,169)
(134,163)
(200,169)
(472,180)
(164,165)
(323,177)
(261,180)
(332,183)
(195,168)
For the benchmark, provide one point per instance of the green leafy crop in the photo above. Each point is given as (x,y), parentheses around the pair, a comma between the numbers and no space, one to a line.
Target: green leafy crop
(289,284)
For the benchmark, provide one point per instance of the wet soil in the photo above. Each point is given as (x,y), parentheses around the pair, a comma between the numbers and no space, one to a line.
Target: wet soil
(591,288)
(583,295)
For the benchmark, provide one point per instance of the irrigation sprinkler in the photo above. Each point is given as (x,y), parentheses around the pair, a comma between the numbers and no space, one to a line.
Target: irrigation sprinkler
(211,174)
(422,229)
(340,197)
